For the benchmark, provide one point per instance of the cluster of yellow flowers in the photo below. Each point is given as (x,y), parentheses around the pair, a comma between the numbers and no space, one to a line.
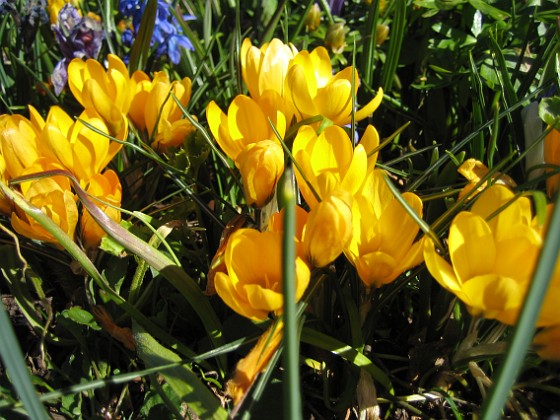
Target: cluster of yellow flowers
(351,208)
(85,146)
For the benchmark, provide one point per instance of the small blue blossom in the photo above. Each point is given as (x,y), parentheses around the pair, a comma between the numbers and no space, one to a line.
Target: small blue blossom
(77,37)
(167,38)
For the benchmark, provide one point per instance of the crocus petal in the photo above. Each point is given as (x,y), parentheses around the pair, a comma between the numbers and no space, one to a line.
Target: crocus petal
(370,142)
(397,228)
(439,268)
(328,229)
(301,92)
(493,297)
(471,246)
(236,301)
(370,107)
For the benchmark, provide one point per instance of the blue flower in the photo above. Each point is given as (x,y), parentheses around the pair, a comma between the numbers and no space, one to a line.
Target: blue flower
(167,37)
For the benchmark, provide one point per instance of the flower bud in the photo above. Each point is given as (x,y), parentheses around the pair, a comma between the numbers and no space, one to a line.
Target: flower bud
(313,18)
(336,37)
(381,33)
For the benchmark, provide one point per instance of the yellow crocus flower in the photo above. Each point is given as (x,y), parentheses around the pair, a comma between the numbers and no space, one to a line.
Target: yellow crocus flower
(328,229)
(493,257)
(106,187)
(261,165)
(109,91)
(19,141)
(80,149)
(255,362)
(246,136)
(154,109)
(382,244)
(312,89)
(54,198)
(252,282)
(265,68)
(322,233)
(329,162)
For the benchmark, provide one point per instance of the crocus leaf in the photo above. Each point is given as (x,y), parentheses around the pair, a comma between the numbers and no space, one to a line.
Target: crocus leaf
(182,380)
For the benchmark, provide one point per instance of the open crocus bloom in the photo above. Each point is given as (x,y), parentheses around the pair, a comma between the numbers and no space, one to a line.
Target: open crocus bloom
(328,162)
(312,89)
(265,68)
(252,282)
(154,108)
(80,149)
(493,251)
(382,244)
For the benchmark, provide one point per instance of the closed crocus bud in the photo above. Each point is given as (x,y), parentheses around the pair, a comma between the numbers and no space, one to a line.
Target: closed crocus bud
(493,251)
(382,245)
(107,188)
(261,165)
(252,283)
(142,88)
(336,37)
(313,18)
(328,229)
(381,33)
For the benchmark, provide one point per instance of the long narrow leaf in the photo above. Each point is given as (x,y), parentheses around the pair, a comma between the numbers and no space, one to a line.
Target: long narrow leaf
(13,359)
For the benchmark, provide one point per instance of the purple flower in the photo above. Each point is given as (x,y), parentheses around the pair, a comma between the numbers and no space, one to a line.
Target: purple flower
(336,6)
(77,37)
(167,37)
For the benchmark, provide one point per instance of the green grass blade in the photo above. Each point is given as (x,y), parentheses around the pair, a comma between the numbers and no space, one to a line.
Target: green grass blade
(525,328)
(141,47)
(13,359)
(292,397)
(395,45)
(367,65)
